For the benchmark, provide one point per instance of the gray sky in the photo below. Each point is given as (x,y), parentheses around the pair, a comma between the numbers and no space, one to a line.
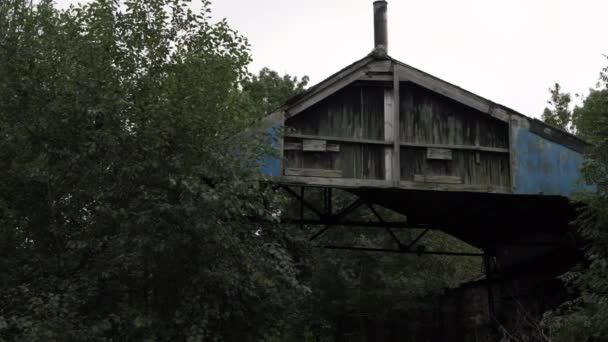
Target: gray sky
(509,51)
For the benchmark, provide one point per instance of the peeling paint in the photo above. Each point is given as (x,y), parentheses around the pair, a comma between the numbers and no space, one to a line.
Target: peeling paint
(544,167)
(271,165)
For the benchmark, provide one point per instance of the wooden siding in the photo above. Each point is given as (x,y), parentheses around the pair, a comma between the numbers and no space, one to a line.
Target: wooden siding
(441,141)
(493,169)
(478,145)
(354,116)
(353,112)
(353,161)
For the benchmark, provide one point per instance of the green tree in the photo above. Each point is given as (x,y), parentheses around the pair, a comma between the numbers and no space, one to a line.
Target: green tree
(586,116)
(558,113)
(585,318)
(130,208)
(268,90)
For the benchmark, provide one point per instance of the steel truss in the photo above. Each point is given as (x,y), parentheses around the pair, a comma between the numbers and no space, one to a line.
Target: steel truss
(329,218)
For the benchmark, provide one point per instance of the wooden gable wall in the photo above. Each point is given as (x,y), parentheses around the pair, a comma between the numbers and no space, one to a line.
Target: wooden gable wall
(445,141)
(349,135)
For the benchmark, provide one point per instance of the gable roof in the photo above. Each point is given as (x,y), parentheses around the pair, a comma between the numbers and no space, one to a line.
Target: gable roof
(382,67)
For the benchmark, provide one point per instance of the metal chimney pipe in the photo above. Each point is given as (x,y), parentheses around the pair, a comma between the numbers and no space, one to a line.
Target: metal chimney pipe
(380,25)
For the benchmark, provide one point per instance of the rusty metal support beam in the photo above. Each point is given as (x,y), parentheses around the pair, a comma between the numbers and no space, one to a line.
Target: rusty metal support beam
(319,233)
(388,229)
(418,238)
(303,201)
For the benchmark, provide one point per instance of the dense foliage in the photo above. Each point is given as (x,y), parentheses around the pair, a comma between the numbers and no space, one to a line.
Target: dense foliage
(127,211)
(269,90)
(131,206)
(585,318)
(558,113)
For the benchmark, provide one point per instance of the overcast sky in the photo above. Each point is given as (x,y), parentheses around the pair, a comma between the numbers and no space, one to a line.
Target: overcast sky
(509,51)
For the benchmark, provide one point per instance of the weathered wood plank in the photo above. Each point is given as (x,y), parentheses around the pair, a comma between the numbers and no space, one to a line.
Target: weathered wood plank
(339,139)
(336,83)
(437,179)
(313,173)
(396,120)
(389,130)
(297,146)
(314,145)
(380,77)
(336,182)
(457,147)
(373,183)
(293,146)
(324,85)
(333,148)
(438,153)
(314,99)
(454,187)
(407,73)
(380,66)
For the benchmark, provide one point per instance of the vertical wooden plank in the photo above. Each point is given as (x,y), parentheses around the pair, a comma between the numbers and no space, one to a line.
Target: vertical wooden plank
(389,129)
(397,147)
(477,138)
(512,161)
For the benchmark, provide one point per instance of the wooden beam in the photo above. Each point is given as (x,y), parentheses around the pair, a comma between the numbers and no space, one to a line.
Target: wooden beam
(380,66)
(457,147)
(437,179)
(314,145)
(297,146)
(340,139)
(337,82)
(453,187)
(317,97)
(349,183)
(389,116)
(396,120)
(377,77)
(313,173)
(438,153)
(335,182)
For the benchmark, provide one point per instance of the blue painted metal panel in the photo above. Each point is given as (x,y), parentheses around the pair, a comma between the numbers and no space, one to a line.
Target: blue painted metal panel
(271,165)
(544,167)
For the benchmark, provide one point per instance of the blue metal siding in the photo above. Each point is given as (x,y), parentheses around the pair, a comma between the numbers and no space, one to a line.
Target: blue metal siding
(541,166)
(271,165)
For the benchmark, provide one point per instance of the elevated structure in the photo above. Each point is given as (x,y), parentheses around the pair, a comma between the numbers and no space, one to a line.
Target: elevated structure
(443,156)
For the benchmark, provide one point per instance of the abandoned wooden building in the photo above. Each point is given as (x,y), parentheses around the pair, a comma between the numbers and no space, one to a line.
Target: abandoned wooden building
(442,156)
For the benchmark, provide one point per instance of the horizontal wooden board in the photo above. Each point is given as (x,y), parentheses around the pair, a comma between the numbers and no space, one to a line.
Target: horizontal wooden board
(439,153)
(313,173)
(292,146)
(373,183)
(297,146)
(340,139)
(457,147)
(438,179)
(314,145)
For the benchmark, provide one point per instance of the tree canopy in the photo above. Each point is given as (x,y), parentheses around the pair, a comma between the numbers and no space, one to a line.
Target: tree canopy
(130,207)
(585,317)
